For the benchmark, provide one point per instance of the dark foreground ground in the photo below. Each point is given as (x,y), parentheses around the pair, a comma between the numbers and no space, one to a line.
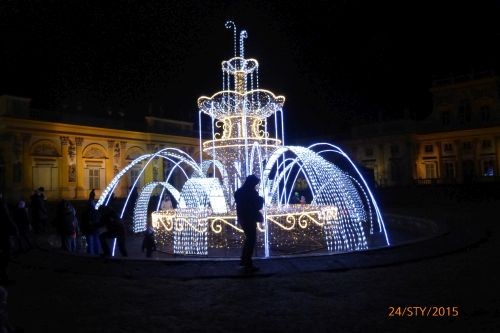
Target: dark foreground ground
(459,287)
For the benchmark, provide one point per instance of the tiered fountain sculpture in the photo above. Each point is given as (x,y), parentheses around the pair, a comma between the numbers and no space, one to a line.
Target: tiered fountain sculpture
(247,129)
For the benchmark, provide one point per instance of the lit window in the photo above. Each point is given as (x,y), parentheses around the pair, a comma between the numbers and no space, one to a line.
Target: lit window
(430,170)
(488,168)
(94,179)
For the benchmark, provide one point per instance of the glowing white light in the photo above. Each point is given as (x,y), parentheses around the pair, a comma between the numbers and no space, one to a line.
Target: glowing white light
(245,140)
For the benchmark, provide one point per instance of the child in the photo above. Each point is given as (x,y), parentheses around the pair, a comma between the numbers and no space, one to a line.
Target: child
(166,204)
(149,242)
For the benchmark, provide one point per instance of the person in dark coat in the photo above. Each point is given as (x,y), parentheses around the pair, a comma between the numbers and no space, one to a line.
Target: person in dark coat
(90,225)
(21,218)
(248,206)
(114,229)
(39,214)
(149,242)
(67,225)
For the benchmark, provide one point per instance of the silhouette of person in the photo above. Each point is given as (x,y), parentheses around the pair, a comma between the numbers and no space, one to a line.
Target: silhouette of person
(89,225)
(39,213)
(114,229)
(248,206)
(67,225)
(149,242)
(22,220)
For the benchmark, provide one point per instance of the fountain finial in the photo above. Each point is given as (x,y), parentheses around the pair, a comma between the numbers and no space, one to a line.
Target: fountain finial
(243,35)
(229,25)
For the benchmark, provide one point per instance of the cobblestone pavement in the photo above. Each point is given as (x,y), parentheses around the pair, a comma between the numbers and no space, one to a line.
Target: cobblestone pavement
(446,283)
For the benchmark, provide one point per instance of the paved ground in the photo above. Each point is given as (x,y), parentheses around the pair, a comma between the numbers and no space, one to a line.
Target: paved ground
(343,293)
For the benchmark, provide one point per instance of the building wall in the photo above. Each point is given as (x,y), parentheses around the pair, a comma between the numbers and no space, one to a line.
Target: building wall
(459,142)
(389,158)
(69,160)
(459,156)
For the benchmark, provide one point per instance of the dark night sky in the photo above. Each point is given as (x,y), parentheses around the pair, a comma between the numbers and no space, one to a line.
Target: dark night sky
(339,61)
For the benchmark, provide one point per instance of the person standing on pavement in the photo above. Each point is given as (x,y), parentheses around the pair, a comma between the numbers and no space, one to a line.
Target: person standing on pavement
(90,225)
(21,218)
(67,225)
(248,206)
(149,242)
(115,229)
(39,214)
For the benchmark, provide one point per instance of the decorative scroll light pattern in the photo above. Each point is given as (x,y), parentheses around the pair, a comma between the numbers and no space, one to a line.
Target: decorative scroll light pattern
(181,224)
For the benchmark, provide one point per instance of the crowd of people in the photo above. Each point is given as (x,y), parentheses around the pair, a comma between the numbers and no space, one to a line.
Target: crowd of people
(91,229)
(87,231)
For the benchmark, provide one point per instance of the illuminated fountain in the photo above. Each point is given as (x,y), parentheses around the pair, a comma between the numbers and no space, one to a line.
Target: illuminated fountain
(248,138)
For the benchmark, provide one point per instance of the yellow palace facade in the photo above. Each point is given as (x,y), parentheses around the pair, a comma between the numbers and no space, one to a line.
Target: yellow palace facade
(459,142)
(69,159)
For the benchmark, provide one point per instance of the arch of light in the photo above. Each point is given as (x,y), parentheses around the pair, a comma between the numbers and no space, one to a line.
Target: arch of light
(248,138)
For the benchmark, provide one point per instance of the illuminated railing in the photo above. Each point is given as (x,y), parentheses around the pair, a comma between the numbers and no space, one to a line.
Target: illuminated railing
(191,227)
